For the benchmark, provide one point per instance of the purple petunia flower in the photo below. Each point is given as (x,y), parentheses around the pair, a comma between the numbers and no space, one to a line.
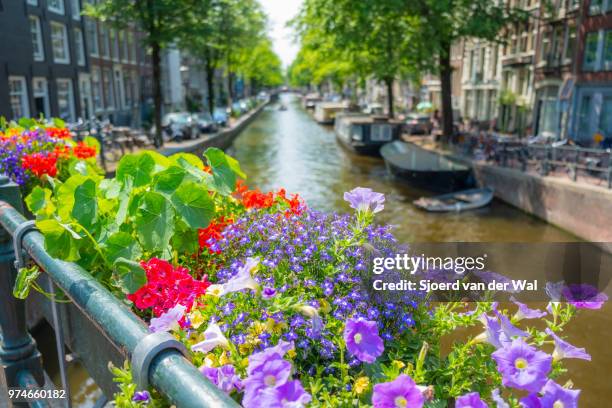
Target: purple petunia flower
(554,289)
(289,395)
(224,377)
(362,339)
(584,296)
(401,392)
(522,366)
(524,312)
(268,293)
(257,360)
(273,372)
(142,396)
(565,350)
(554,395)
(531,401)
(471,400)
(169,320)
(499,331)
(364,199)
(497,398)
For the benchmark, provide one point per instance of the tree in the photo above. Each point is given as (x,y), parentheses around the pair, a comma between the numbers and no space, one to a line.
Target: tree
(160,22)
(261,65)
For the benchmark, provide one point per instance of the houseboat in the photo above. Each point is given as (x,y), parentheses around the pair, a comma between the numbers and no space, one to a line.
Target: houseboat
(365,134)
(310,100)
(425,169)
(325,112)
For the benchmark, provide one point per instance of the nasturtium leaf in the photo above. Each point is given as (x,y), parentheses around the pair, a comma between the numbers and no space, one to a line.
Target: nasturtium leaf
(130,274)
(92,142)
(122,245)
(26,123)
(61,241)
(24,280)
(85,209)
(195,173)
(193,204)
(137,166)
(192,159)
(39,202)
(110,188)
(167,181)
(225,170)
(161,161)
(154,223)
(185,239)
(57,122)
(65,196)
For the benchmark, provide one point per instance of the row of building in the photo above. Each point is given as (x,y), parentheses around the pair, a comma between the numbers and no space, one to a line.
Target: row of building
(56,62)
(549,76)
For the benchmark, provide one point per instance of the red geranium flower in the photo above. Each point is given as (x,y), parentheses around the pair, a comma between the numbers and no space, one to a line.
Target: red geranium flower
(83,151)
(40,164)
(166,287)
(213,231)
(60,133)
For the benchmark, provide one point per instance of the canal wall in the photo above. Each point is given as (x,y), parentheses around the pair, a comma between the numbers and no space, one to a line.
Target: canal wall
(579,208)
(222,139)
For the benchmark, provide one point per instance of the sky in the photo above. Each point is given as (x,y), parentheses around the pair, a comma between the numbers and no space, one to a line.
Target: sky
(279,13)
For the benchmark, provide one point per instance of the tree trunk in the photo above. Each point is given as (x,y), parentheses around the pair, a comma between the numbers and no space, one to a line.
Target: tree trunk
(446,71)
(230,90)
(210,86)
(157,93)
(389,83)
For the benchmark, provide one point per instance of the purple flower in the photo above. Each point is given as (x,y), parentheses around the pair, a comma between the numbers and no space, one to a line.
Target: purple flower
(556,396)
(362,340)
(257,360)
(268,293)
(141,396)
(224,377)
(364,199)
(531,401)
(554,289)
(497,398)
(524,312)
(565,350)
(522,366)
(471,400)
(273,372)
(498,330)
(289,395)
(169,320)
(584,296)
(401,392)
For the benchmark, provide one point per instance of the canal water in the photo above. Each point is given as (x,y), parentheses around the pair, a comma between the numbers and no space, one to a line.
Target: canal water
(289,149)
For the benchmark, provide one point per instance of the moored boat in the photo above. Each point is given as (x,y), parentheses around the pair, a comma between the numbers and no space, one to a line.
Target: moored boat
(310,100)
(425,169)
(325,112)
(460,201)
(365,134)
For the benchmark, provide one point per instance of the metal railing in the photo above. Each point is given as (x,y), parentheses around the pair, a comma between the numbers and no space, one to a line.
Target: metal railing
(156,360)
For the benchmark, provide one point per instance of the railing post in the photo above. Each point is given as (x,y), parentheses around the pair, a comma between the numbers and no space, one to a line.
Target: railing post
(17,348)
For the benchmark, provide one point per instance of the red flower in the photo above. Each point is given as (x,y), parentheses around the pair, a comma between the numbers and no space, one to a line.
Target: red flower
(60,133)
(166,287)
(83,151)
(40,164)
(213,231)
(62,152)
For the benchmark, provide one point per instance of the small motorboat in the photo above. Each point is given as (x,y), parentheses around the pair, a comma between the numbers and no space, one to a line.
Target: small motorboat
(365,134)
(459,201)
(283,107)
(424,168)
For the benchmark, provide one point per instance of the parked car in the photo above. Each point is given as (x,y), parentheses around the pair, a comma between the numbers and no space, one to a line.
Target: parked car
(418,124)
(179,126)
(205,122)
(220,116)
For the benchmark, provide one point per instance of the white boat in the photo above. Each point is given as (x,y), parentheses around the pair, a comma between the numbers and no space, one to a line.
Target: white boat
(459,201)
(325,112)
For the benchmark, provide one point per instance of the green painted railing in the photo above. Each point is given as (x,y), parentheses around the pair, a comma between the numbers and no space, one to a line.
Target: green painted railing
(169,371)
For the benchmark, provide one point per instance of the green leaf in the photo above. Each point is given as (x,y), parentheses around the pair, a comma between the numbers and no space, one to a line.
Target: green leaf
(26,123)
(110,188)
(64,196)
(57,122)
(167,181)
(154,223)
(130,274)
(39,202)
(61,241)
(24,280)
(196,173)
(139,167)
(122,245)
(185,239)
(85,209)
(92,142)
(193,204)
(192,159)
(225,170)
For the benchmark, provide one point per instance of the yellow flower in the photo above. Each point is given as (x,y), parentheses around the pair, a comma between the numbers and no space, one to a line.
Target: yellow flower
(398,364)
(224,359)
(211,360)
(196,319)
(324,306)
(257,328)
(361,385)
(274,327)
(291,353)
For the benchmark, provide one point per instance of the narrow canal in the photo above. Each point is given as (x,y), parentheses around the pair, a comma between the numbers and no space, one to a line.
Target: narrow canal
(289,149)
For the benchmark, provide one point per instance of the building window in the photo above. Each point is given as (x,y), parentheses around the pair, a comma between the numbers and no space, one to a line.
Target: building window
(41,98)
(32,2)
(104,40)
(114,44)
(85,92)
(18,93)
(570,44)
(79,46)
(65,99)
(59,39)
(57,6)
(37,41)
(130,44)
(108,89)
(119,97)
(92,37)
(590,51)
(607,56)
(96,89)
(75,9)
(595,6)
